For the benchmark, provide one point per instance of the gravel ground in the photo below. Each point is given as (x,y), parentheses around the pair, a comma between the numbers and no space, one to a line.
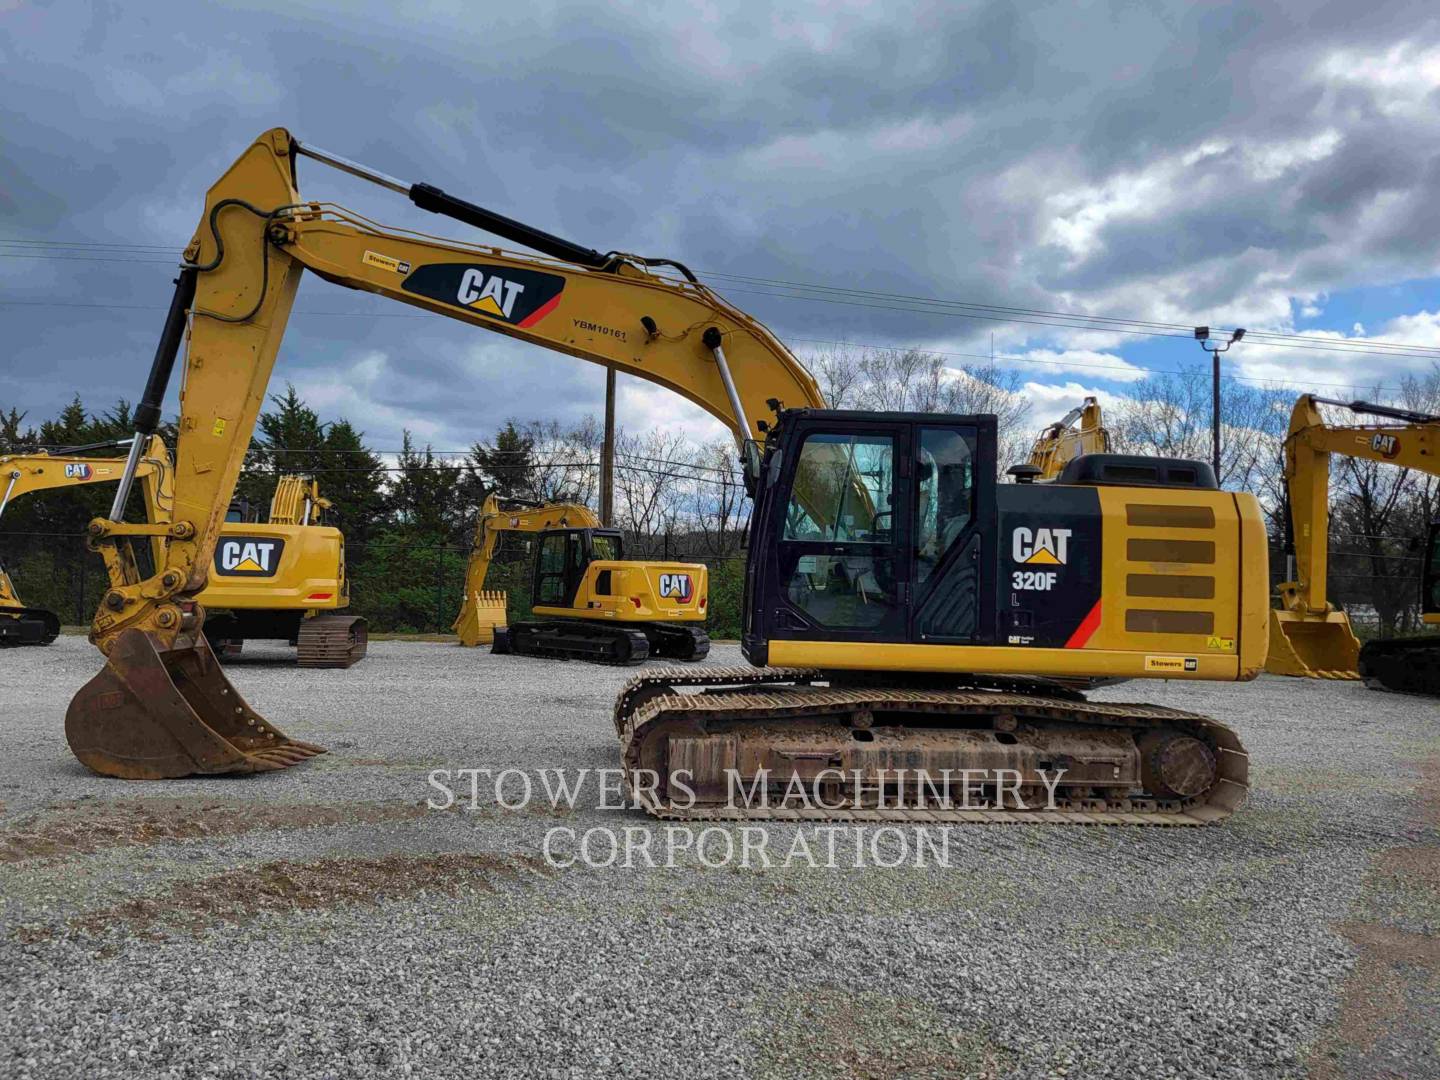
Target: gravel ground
(322,921)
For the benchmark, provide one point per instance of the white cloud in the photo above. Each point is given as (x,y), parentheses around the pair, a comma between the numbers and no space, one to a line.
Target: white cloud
(1097,365)
(1051,401)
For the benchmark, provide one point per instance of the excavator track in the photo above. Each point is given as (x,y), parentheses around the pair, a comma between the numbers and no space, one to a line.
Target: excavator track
(688,643)
(567,639)
(1407,665)
(28,626)
(810,722)
(331,641)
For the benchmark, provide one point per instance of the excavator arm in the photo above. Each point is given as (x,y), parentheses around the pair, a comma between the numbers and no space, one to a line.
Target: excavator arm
(1309,636)
(161,706)
(483,610)
(21,474)
(297,501)
(1064,440)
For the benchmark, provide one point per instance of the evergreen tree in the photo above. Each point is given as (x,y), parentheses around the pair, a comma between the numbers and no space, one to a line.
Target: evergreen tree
(423,498)
(505,466)
(292,439)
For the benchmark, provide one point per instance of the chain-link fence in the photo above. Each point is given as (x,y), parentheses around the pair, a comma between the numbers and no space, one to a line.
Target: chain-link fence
(408,586)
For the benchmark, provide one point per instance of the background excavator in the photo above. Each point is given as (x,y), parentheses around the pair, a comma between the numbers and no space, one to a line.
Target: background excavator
(1064,441)
(590,602)
(22,474)
(277,580)
(1309,636)
(284,579)
(918,614)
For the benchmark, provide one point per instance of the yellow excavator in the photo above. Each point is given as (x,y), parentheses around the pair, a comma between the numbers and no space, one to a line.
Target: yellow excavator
(1309,636)
(590,602)
(284,579)
(21,474)
(903,611)
(278,580)
(1062,442)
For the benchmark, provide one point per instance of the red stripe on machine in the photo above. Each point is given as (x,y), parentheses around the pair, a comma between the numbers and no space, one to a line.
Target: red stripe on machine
(1087,627)
(540,312)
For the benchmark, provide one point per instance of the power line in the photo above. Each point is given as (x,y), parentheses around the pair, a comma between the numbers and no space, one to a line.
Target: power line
(1077,365)
(815,292)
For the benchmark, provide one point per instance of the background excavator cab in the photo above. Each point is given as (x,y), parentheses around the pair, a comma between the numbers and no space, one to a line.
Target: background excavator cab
(563,557)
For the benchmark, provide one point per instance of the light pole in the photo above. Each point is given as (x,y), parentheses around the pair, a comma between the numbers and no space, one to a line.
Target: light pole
(1202,335)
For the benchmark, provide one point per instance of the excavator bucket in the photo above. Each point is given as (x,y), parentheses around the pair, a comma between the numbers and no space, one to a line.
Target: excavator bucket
(1313,646)
(153,713)
(482,615)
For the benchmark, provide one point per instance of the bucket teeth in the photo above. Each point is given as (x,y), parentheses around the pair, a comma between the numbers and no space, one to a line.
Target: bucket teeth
(155,713)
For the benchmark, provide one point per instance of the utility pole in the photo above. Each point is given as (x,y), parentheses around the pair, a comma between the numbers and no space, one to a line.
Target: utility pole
(1202,335)
(607,453)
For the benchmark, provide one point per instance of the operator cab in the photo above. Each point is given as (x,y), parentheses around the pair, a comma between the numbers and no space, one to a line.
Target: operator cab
(891,529)
(564,556)
(868,528)
(242,511)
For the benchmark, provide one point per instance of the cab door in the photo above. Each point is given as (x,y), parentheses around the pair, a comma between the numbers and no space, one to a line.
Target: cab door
(953,530)
(839,569)
(557,568)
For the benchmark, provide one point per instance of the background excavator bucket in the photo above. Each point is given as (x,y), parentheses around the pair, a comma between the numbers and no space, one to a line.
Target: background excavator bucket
(152,714)
(482,615)
(1313,646)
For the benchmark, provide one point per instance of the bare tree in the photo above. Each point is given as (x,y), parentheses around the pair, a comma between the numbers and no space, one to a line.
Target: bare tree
(838,371)
(648,477)
(913,380)
(566,460)
(1169,415)
(714,499)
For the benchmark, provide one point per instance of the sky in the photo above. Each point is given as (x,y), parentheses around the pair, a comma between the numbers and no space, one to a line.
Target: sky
(1271,166)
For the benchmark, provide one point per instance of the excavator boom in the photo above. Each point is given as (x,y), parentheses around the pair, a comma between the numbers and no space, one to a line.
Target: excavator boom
(1064,441)
(1309,636)
(162,706)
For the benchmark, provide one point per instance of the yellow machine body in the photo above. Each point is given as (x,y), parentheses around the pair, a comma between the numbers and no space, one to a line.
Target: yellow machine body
(1182,595)
(277,567)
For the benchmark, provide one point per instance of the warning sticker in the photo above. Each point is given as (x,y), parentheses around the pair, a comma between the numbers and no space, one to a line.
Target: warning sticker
(1177,664)
(1224,644)
(385,262)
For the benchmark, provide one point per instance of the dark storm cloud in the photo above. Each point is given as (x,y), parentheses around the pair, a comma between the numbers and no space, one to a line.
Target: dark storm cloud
(1030,156)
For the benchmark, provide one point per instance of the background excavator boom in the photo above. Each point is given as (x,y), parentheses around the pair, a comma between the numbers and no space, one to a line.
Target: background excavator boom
(1309,636)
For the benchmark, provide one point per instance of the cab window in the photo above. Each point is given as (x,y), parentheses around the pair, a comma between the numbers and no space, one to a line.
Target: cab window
(551,569)
(945,495)
(837,555)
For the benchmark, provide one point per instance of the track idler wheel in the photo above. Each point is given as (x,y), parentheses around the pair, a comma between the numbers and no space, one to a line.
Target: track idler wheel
(153,713)
(1175,766)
